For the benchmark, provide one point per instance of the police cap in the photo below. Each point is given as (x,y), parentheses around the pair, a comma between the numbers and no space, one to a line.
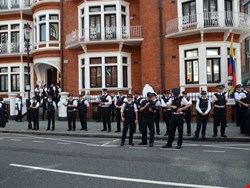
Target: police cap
(104,89)
(149,94)
(166,92)
(176,91)
(203,92)
(184,92)
(129,96)
(120,91)
(247,86)
(71,94)
(238,86)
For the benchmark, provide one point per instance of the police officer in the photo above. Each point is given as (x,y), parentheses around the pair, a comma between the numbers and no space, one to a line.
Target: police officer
(51,107)
(45,99)
(71,112)
(156,105)
(166,110)
(129,116)
(239,110)
(178,104)
(29,113)
(4,107)
(106,102)
(37,93)
(2,113)
(34,106)
(244,100)
(119,99)
(138,101)
(147,120)
(99,106)
(112,106)
(187,113)
(203,107)
(220,116)
(82,107)
(19,106)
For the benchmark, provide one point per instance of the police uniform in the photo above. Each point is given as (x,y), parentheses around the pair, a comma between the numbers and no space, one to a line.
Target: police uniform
(51,106)
(177,103)
(147,120)
(220,111)
(71,112)
(129,113)
(82,106)
(112,107)
(45,99)
(187,114)
(19,105)
(118,104)
(138,104)
(244,100)
(29,113)
(106,101)
(4,108)
(239,110)
(156,105)
(34,113)
(99,107)
(2,113)
(203,107)
(166,110)
(37,93)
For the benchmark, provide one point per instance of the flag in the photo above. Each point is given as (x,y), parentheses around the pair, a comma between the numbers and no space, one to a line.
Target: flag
(231,67)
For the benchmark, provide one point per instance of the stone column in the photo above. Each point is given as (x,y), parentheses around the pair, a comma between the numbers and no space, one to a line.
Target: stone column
(12,99)
(62,110)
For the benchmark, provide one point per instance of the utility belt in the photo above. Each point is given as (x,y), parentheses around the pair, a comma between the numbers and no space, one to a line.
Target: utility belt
(166,109)
(219,106)
(70,111)
(177,113)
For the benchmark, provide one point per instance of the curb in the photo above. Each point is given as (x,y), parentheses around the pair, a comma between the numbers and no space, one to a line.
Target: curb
(96,135)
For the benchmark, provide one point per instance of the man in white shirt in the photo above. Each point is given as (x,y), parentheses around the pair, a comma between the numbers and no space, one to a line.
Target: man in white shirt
(106,102)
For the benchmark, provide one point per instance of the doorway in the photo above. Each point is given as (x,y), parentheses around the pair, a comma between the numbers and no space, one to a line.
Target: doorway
(52,76)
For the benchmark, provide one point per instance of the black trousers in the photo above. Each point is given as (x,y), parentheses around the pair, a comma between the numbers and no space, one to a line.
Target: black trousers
(51,118)
(71,120)
(44,107)
(35,119)
(201,122)
(129,123)
(157,121)
(106,118)
(118,118)
(140,121)
(99,113)
(188,120)
(148,123)
(247,121)
(112,110)
(19,115)
(176,121)
(240,118)
(83,119)
(29,118)
(220,120)
(166,118)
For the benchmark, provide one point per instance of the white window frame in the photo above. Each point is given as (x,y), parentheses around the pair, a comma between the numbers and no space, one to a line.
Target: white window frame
(102,55)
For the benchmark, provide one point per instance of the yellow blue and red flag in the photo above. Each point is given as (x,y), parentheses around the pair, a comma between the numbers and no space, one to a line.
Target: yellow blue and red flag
(232,67)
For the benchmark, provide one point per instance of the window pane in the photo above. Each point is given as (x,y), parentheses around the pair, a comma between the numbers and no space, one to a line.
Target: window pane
(110,60)
(192,71)
(96,60)
(191,53)
(53,17)
(95,9)
(4,27)
(213,51)
(83,77)
(15,84)
(123,9)
(82,11)
(4,69)
(26,81)
(83,61)
(42,32)
(42,18)
(15,69)
(213,70)
(95,76)
(54,31)
(196,71)
(111,76)
(216,70)
(189,77)
(3,82)
(124,60)
(109,8)
(125,76)
(15,26)
(209,70)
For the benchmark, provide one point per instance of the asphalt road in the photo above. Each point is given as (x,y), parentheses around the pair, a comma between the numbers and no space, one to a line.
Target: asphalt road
(29,161)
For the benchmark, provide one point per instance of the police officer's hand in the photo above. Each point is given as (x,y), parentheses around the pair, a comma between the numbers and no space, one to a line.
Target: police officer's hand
(136,121)
(123,119)
(179,110)
(174,107)
(147,104)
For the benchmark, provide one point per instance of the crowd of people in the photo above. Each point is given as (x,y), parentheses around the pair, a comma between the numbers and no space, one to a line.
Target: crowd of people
(142,111)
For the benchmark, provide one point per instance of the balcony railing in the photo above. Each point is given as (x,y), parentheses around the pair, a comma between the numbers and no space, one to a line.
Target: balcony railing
(103,34)
(205,20)
(15,4)
(10,48)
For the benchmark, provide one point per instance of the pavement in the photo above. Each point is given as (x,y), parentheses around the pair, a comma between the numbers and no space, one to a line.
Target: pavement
(94,130)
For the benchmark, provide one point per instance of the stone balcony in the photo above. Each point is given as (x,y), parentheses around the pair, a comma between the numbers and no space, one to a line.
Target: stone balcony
(226,22)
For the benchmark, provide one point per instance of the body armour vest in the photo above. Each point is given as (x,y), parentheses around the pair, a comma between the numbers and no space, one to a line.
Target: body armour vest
(70,109)
(247,99)
(81,106)
(104,98)
(34,105)
(176,102)
(203,104)
(50,106)
(119,100)
(146,112)
(221,99)
(129,111)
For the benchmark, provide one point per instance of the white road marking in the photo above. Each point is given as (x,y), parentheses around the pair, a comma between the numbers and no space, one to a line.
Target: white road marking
(16,140)
(115,177)
(107,143)
(214,151)
(221,147)
(135,147)
(63,143)
(170,149)
(37,141)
